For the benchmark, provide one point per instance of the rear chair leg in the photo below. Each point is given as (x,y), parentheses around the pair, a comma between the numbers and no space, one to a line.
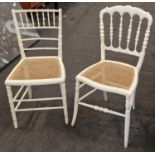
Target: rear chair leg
(13,113)
(75,103)
(105,96)
(63,92)
(133,102)
(29,92)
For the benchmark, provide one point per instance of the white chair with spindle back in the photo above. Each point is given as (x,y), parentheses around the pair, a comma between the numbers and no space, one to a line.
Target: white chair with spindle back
(114,76)
(38,70)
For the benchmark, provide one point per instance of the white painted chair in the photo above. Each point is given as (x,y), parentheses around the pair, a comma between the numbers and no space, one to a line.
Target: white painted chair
(38,70)
(113,76)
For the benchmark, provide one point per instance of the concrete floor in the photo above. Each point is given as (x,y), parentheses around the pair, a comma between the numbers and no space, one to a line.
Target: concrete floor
(94,131)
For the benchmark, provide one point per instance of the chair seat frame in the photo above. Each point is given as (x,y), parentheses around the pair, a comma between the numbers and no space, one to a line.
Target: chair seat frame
(108,88)
(37,81)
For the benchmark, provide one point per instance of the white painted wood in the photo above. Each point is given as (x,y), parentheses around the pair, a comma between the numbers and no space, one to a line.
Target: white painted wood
(133,102)
(87,94)
(123,51)
(105,110)
(10,97)
(129,94)
(54,19)
(63,92)
(105,96)
(145,42)
(109,88)
(131,11)
(127,121)
(138,33)
(76,101)
(53,26)
(82,85)
(18,34)
(32,19)
(102,36)
(20,101)
(111,30)
(39,109)
(37,14)
(39,99)
(60,34)
(93,77)
(41,38)
(129,32)
(26,84)
(36,10)
(29,92)
(21,19)
(38,27)
(43,15)
(40,48)
(27,21)
(48,16)
(19,91)
(120,29)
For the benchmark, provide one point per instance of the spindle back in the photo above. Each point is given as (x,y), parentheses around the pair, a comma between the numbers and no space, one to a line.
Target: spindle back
(38,19)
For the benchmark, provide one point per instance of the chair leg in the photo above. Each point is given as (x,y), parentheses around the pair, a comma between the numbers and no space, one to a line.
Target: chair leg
(13,113)
(75,103)
(127,122)
(133,102)
(63,92)
(105,96)
(29,92)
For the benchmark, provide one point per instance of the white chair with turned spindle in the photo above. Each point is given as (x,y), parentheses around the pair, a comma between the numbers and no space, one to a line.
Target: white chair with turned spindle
(114,76)
(37,70)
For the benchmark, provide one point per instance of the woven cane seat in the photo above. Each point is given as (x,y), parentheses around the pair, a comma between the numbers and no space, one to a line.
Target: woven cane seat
(36,69)
(111,74)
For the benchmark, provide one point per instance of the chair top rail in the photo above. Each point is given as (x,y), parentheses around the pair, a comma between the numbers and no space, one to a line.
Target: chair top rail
(37,10)
(36,27)
(127,9)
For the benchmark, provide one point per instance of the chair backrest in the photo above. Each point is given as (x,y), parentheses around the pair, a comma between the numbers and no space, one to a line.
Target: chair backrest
(131,12)
(38,19)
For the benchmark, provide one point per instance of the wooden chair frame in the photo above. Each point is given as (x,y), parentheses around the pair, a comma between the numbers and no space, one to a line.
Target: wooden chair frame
(25,85)
(129,94)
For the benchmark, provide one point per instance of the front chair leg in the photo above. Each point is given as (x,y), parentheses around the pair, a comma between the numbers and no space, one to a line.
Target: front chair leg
(127,121)
(13,113)
(63,92)
(76,103)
